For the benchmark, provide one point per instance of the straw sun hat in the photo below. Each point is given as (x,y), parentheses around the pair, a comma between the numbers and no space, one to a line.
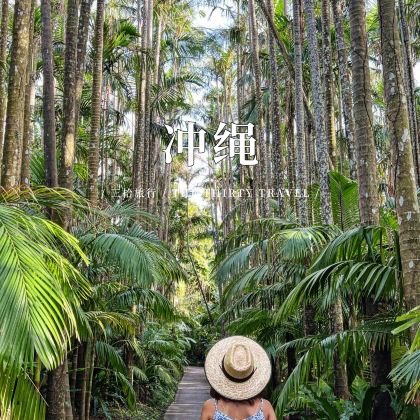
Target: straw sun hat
(237,368)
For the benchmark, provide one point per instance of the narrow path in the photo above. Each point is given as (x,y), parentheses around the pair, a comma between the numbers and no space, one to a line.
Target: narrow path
(193,390)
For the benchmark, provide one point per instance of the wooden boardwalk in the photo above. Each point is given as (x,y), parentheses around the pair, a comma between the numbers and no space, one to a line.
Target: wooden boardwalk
(193,390)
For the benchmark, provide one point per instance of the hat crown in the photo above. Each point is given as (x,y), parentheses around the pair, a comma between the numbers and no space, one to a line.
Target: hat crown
(239,361)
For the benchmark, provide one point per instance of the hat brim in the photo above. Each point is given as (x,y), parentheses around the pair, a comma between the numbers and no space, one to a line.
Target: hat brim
(237,390)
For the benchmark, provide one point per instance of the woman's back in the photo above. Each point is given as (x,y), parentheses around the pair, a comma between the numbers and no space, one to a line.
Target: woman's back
(237,410)
(257,409)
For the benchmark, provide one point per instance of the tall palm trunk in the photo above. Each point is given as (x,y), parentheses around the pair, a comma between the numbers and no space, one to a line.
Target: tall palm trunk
(12,150)
(346,99)
(301,176)
(139,140)
(239,95)
(325,142)
(290,140)
(275,117)
(68,141)
(48,102)
(56,394)
(4,33)
(363,118)
(341,387)
(90,381)
(319,108)
(148,147)
(83,381)
(410,89)
(368,195)
(28,126)
(82,40)
(95,127)
(156,169)
(57,380)
(284,52)
(397,115)
(261,169)
(328,82)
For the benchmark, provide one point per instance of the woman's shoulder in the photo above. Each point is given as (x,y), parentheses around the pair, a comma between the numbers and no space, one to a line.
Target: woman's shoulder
(209,403)
(208,409)
(268,409)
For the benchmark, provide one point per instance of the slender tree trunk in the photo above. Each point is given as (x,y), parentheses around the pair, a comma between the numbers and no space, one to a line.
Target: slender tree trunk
(363,118)
(84,381)
(261,169)
(80,378)
(95,127)
(28,126)
(284,52)
(290,138)
(73,378)
(366,171)
(138,152)
(275,118)
(82,40)
(397,116)
(341,386)
(166,186)
(380,367)
(155,140)
(239,96)
(68,411)
(56,394)
(410,90)
(68,141)
(90,382)
(323,143)
(12,151)
(319,108)
(346,99)
(148,148)
(4,34)
(48,101)
(328,82)
(301,176)
(68,145)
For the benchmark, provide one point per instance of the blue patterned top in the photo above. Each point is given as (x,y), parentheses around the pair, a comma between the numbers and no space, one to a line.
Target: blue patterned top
(218,415)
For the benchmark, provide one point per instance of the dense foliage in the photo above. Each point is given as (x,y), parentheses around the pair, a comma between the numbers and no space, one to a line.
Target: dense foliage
(114,276)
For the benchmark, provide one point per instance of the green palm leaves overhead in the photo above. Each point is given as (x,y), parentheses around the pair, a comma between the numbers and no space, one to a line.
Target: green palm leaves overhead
(39,291)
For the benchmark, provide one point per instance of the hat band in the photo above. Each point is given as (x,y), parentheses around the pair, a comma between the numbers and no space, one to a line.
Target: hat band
(232,378)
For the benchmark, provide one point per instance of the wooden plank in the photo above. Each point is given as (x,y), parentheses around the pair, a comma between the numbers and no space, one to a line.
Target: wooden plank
(193,390)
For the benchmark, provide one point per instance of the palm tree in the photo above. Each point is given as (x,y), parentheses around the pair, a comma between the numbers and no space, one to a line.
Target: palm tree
(410,87)
(380,358)
(29,106)
(68,135)
(42,293)
(363,118)
(82,42)
(276,137)
(347,103)
(58,395)
(96,105)
(301,175)
(141,143)
(407,205)
(260,180)
(48,96)
(12,149)
(319,108)
(328,82)
(4,33)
